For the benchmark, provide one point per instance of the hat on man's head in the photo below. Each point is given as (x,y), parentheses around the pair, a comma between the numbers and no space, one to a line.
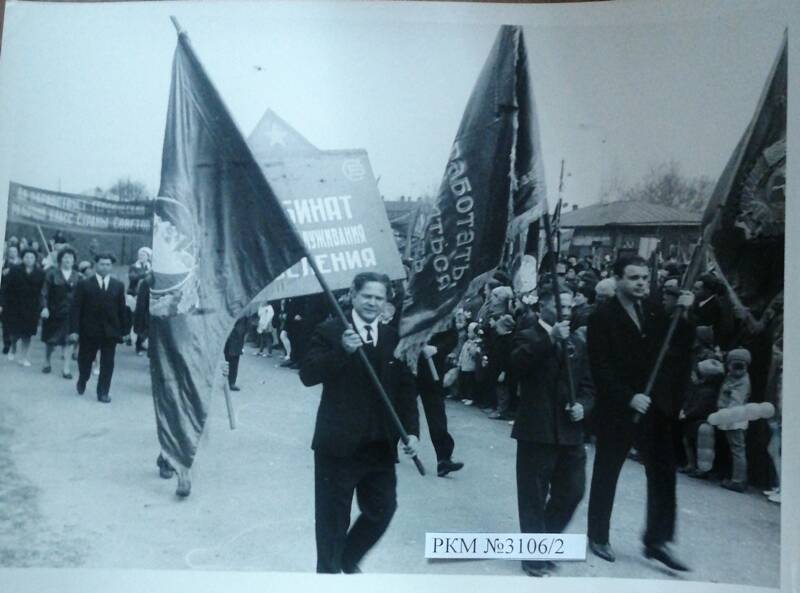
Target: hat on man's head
(740,355)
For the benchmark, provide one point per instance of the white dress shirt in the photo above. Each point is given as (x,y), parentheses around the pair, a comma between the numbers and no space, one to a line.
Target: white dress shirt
(102,282)
(361,325)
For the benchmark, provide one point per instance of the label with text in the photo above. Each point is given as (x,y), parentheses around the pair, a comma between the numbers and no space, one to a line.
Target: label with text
(510,546)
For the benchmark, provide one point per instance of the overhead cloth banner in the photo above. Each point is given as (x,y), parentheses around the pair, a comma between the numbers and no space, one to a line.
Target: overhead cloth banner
(81,214)
(332,199)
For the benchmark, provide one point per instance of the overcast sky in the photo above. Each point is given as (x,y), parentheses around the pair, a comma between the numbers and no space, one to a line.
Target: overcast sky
(84,89)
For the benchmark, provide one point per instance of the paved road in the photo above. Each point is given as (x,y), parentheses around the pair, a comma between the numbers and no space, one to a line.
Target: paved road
(79,488)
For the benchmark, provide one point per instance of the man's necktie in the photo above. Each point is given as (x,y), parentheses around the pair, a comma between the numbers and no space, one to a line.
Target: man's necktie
(639,315)
(368,341)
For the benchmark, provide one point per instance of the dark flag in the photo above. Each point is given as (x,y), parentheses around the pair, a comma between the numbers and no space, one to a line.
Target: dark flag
(745,218)
(219,237)
(493,189)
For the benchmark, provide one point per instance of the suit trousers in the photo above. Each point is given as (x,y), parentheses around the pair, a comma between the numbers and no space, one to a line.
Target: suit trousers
(432,395)
(88,347)
(653,437)
(233,369)
(557,470)
(339,546)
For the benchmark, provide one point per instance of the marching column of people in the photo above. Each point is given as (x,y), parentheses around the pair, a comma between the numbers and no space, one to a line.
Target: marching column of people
(504,354)
(80,307)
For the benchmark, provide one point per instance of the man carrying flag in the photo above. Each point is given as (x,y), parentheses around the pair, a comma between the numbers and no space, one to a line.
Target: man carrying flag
(211,254)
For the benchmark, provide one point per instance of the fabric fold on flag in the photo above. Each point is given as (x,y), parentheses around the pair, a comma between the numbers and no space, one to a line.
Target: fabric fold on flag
(493,189)
(744,222)
(219,237)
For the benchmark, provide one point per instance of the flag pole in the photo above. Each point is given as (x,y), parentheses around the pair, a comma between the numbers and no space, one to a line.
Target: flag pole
(44,239)
(340,314)
(548,231)
(229,403)
(688,278)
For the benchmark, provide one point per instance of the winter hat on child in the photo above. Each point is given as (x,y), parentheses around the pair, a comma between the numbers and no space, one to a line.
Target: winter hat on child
(739,354)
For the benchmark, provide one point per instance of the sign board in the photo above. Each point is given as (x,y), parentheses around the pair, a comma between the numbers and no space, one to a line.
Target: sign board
(333,200)
(76,213)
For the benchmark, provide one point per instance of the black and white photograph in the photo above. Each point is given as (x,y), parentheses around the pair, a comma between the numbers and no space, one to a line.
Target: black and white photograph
(434,291)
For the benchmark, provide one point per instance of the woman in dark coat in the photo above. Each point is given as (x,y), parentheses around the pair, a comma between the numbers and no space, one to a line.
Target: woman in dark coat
(22,295)
(11,260)
(57,296)
(141,314)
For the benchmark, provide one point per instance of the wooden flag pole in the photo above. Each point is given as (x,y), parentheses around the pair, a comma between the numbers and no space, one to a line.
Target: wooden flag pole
(44,239)
(229,403)
(673,324)
(548,231)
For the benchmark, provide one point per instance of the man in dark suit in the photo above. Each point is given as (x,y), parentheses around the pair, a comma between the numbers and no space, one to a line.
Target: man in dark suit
(97,322)
(624,337)
(551,458)
(431,393)
(355,446)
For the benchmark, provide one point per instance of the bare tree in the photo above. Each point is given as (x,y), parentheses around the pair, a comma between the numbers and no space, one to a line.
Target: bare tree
(664,184)
(126,190)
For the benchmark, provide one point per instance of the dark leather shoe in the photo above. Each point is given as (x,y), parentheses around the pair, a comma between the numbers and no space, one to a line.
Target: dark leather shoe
(81,388)
(184,486)
(104,399)
(534,568)
(165,470)
(235,388)
(446,466)
(734,486)
(46,369)
(354,569)
(604,551)
(67,376)
(661,553)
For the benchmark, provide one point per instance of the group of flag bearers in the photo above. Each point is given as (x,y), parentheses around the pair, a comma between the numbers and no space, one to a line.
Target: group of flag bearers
(216,200)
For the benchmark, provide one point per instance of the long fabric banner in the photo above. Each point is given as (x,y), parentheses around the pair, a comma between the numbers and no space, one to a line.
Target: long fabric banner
(76,213)
(220,236)
(493,189)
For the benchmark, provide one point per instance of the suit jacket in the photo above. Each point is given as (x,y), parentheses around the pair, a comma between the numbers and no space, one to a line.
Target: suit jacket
(538,364)
(348,400)
(98,313)
(621,360)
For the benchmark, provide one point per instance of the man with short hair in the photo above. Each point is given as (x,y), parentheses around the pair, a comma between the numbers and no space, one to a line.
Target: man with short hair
(97,323)
(624,337)
(551,459)
(355,445)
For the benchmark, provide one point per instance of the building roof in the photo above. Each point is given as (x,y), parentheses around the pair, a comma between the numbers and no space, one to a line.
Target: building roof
(629,213)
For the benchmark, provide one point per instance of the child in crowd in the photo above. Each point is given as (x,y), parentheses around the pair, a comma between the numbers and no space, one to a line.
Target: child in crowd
(468,361)
(701,400)
(735,391)
(264,329)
